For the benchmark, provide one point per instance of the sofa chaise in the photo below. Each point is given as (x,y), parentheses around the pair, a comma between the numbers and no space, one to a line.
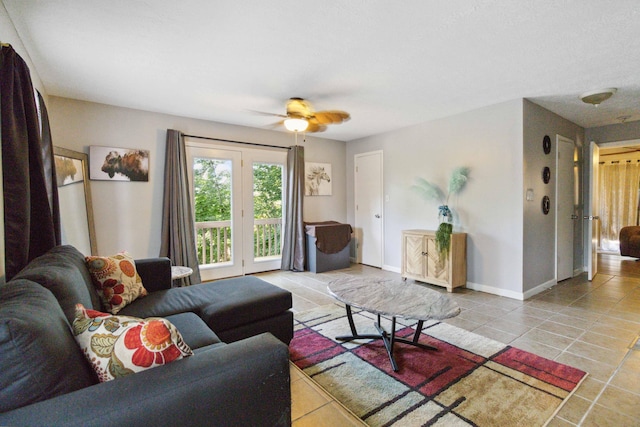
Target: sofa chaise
(630,241)
(237,328)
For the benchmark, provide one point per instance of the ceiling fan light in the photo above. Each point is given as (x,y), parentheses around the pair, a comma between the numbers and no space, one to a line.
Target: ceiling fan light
(296,125)
(596,97)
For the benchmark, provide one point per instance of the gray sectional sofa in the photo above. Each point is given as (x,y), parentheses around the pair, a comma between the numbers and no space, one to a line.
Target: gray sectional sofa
(237,328)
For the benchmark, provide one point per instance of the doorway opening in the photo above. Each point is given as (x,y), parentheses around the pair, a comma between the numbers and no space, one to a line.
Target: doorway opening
(238,206)
(619,185)
(612,261)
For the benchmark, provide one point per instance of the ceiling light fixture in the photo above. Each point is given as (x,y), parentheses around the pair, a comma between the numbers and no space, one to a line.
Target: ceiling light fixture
(296,124)
(596,97)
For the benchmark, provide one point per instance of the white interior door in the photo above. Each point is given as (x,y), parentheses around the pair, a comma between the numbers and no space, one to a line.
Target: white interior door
(592,210)
(369,207)
(565,212)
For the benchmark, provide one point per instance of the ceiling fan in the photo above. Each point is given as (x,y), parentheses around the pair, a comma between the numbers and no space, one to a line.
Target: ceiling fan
(301,117)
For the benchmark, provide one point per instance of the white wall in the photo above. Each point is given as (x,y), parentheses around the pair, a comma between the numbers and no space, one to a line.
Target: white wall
(490,208)
(612,133)
(539,229)
(8,34)
(128,214)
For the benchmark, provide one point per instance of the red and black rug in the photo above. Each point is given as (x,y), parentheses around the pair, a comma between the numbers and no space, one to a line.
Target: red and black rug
(469,380)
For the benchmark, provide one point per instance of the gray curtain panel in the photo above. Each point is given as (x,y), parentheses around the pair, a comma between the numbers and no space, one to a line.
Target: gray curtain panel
(293,249)
(29,225)
(178,230)
(48,164)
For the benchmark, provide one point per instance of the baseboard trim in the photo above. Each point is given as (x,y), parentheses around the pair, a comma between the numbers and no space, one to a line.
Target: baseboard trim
(511,294)
(495,291)
(540,288)
(391,268)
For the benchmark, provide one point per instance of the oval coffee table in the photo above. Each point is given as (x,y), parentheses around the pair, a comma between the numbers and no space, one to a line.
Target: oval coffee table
(393,298)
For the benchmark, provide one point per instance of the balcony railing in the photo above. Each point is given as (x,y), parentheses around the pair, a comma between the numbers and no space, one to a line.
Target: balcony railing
(214,245)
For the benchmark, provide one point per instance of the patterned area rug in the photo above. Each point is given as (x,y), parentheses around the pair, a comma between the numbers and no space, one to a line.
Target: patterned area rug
(469,380)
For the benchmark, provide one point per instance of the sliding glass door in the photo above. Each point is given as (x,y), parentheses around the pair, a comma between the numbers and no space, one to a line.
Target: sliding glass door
(237,196)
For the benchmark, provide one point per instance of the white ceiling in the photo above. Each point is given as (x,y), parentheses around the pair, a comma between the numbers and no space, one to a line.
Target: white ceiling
(390,64)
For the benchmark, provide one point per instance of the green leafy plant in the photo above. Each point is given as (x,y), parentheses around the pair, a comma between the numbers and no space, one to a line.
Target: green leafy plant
(430,191)
(443,239)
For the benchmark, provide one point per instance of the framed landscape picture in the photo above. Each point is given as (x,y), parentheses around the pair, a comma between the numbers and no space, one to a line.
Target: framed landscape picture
(118,164)
(317,179)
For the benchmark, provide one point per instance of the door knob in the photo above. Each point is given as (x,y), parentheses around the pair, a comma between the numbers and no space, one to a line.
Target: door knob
(377,215)
(591,217)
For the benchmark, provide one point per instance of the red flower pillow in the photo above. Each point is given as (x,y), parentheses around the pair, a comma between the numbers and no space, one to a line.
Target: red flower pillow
(117,346)
(116,279)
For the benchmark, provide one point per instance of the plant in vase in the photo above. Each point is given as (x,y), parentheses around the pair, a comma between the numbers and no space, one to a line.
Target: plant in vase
(429,192)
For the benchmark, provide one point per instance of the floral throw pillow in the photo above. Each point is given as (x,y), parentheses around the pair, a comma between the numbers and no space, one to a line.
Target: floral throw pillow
(116,279)
(117,346)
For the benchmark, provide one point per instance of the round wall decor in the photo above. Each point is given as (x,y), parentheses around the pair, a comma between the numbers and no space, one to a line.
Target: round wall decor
(546,174)
(546,205)
(546,144)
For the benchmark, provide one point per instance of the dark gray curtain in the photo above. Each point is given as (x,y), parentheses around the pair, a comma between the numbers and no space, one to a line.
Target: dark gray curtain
(29,225)
(293,252)
(48,164)
(178,230)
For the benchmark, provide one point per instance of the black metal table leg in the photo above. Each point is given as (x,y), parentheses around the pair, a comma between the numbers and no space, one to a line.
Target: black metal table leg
(416,336)
(388,340)
(354,333)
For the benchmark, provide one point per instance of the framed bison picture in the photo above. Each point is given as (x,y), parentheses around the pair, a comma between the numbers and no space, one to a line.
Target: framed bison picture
(118,164)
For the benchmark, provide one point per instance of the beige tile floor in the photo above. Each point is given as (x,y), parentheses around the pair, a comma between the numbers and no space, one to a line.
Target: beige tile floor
(589,325)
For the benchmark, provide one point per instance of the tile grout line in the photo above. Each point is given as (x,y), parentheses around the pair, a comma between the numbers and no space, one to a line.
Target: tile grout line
(588,411)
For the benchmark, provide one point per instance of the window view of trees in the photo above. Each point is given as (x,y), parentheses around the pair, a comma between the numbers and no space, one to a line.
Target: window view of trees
(212,195)
(267,209)
(212,189)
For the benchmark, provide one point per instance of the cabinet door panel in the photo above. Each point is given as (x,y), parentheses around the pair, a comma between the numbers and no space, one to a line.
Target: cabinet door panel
(414,259)
(436,268)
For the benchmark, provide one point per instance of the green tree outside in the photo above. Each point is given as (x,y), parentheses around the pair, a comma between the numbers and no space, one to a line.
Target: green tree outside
(212,195)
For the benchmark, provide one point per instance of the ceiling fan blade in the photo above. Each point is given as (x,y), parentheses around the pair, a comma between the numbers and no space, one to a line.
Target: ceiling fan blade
(331,116)
(315,126)
(275,125)
(264,113)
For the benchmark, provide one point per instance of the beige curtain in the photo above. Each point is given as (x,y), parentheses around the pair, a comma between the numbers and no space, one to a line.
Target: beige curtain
(618,188)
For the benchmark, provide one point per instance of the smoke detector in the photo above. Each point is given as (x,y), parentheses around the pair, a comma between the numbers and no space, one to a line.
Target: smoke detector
(596,97)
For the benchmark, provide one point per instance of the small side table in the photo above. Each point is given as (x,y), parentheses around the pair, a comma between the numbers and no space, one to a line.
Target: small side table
(180,271)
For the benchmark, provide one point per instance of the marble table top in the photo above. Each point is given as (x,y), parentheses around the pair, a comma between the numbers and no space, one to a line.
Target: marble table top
(180,271)
(393,298)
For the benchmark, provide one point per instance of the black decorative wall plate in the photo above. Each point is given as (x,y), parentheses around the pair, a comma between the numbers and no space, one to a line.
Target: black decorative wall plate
(546,144)
(546,174)
(546,205)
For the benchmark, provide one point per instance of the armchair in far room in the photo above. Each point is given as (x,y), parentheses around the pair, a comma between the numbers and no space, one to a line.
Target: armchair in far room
(630,241)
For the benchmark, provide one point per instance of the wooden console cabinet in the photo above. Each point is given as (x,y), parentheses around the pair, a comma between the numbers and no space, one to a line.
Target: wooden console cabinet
(421,260)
